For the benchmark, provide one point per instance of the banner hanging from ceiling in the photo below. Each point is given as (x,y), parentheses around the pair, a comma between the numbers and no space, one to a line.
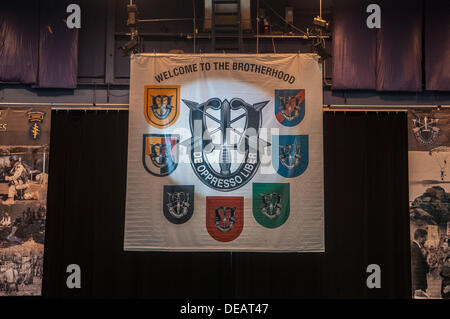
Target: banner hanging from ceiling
(429,194)
(24,153)
(225,153)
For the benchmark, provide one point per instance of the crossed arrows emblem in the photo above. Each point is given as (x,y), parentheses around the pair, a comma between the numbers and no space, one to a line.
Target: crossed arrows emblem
(203,142)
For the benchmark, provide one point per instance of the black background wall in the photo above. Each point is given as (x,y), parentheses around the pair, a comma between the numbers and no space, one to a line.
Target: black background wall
(366,220)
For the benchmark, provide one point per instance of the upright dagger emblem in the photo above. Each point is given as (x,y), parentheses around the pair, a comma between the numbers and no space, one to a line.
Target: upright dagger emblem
(160,153)
(290,156)
(290,106)
(425,128)
(224,217)
(178,203)
(162,105)
(214,152)
(271,203)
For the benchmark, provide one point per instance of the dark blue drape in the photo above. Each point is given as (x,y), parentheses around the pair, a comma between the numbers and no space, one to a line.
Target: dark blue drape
(353,47)
(437,45)
(19,41)
(399,52)
(398,46)
(36,47)
(58,47)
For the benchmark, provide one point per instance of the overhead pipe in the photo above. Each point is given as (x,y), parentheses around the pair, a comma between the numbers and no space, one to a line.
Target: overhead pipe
(326,107)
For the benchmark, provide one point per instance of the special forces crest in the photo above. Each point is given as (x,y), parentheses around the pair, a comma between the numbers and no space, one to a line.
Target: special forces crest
(35,117)
(178,203)
(290,106)
(290,154)
(225,145)
(162,105)
(224,217)
(425,129)
(271,203)
(160,153)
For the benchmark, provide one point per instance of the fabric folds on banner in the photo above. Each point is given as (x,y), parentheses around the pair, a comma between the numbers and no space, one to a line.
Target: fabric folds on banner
(429,192)
(24,153)
(225,153)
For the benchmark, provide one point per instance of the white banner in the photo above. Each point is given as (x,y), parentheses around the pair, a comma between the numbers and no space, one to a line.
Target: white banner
(225,153)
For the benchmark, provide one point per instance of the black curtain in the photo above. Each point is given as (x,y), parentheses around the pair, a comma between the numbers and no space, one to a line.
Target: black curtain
(366,220)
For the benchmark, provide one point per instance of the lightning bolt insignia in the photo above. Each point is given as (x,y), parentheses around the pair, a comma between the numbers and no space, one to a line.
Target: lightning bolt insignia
(35,131)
